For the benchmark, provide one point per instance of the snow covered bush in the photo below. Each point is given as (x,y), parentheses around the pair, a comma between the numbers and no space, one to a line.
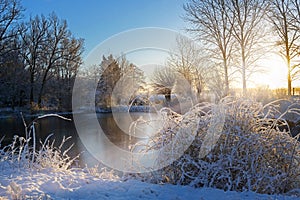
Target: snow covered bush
(254,151)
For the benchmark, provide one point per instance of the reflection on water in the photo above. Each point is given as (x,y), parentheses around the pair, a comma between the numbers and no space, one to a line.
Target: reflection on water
(122,129)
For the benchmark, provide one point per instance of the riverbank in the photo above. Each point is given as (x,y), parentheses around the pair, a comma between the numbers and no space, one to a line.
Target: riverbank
(8,112)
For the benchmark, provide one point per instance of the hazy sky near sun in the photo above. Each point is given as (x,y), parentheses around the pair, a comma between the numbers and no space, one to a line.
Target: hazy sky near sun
(97,20)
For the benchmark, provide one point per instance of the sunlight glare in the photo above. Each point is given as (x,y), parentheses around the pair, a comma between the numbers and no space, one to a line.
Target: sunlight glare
(274,75)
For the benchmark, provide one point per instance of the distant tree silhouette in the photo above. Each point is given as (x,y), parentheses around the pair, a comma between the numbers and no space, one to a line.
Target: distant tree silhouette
(163,80)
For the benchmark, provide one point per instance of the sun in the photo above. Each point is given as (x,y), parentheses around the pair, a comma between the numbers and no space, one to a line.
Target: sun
(274,73)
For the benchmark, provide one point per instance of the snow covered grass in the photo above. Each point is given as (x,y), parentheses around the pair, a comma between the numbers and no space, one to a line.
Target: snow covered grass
(255,150)
(23,153)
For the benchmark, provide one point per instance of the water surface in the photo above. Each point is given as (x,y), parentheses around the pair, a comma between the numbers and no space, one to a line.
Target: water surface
(118,128)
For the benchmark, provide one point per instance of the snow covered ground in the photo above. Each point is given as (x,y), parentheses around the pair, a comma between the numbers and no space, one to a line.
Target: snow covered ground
(25,171)
(82,184)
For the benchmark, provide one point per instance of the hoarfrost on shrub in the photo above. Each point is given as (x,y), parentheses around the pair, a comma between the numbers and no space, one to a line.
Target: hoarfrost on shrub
(254,151)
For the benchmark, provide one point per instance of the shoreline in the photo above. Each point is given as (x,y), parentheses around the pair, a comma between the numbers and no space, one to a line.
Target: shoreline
(7,112)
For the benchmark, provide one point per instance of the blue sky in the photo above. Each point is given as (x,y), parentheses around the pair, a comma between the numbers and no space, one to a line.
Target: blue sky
(97,20)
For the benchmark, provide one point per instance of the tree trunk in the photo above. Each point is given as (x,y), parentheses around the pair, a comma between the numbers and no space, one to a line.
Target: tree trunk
(31,90)
(226,77)
(43,86)
(244,82)
(40,95)
(244,72)
(289,79)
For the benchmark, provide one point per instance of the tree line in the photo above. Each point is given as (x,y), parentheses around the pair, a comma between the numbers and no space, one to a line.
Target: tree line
(39,59)
(237,33)
(230,37)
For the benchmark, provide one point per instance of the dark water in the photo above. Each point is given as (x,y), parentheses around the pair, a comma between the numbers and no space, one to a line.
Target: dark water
(114,128)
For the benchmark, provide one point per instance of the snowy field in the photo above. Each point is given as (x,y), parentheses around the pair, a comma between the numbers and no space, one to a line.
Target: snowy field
(80,184)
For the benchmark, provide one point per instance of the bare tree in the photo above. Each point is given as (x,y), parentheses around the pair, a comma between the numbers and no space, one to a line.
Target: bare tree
(10,13)
(66,69)
(188,61)
(295,13)
(210,21)
(285,17)
(52,49)
(13,80)
(33,40)
(12,70)
(163,80)
(71,59)
(246,18)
